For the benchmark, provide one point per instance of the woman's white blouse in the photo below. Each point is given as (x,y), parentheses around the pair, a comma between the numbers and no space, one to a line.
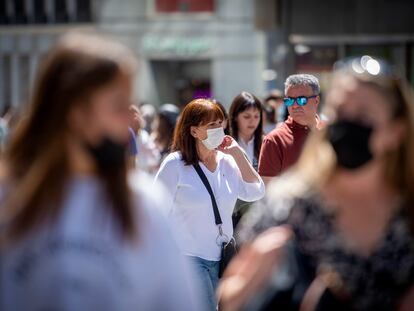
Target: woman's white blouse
(248,148)
(191,212)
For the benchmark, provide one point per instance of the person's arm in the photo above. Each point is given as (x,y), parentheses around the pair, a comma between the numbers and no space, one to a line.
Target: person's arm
(168,175)
(252,268)
(231,147)
(270,160)
(149,156)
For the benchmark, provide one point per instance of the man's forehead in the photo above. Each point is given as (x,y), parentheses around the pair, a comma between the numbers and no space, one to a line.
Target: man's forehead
(299,90)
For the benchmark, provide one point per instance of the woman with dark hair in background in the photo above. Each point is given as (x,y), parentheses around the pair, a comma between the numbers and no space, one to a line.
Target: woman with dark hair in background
(246,124)
(246,127)
(163,130)
(74,234)
(269,118)
(148,156)
(275,100)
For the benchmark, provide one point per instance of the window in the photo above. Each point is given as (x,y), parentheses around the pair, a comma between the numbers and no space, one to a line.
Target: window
(83,11)
(24,12)
(39,12)
(5,73)
(4,13)
(20,12)
(315,58)
(184,6)
(375,50)
(61,12)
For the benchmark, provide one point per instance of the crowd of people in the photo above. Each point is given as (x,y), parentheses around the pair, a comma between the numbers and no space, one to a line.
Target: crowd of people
(110,205)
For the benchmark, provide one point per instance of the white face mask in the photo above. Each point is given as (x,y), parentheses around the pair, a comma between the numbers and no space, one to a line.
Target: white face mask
(214,138)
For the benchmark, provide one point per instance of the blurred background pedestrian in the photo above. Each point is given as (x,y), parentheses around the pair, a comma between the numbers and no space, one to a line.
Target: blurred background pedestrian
(75,235)
(246,127)
(275,100)
(246,124)
(269,118)
(163,128)
(148,156)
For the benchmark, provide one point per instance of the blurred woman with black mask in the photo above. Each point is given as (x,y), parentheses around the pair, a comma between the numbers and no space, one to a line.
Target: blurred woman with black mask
(74,233)
(343,218)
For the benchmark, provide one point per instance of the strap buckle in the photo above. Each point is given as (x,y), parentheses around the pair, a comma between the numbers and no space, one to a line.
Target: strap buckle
(222,237)
(220,230)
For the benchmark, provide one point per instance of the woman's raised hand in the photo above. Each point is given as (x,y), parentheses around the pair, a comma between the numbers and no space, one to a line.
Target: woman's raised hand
(229,145)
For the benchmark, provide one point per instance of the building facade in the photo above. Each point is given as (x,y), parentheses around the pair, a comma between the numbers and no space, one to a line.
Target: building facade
(186,48)
(310,36)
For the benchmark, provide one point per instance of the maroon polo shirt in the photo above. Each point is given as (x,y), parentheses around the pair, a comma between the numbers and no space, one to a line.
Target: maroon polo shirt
(281,148)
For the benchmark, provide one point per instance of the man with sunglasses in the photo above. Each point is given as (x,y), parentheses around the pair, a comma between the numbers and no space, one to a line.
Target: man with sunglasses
(281,148)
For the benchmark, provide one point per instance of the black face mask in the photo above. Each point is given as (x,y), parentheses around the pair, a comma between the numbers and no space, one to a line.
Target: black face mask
(350,140)
(108,154)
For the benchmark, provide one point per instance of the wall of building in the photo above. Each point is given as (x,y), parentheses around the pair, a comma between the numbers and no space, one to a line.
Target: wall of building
(226,38)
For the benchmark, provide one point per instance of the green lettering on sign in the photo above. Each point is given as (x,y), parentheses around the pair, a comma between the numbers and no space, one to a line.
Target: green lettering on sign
(176,46)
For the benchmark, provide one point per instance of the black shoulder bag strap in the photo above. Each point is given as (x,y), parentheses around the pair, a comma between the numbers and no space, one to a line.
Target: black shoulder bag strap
(204,179)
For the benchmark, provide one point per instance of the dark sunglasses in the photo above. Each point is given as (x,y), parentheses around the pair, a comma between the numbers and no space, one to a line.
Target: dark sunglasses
(300,100)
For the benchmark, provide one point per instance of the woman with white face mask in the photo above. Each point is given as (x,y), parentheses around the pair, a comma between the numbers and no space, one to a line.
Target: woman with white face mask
(199,140)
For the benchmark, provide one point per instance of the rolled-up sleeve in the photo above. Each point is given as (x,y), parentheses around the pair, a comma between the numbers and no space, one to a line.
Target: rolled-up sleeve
(248,192)
(251,192)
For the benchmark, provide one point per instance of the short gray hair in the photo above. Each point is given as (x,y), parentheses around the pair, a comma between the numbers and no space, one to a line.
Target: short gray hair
(304,79)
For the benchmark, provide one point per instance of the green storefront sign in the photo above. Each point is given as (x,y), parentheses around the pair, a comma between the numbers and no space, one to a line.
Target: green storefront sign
(175,46)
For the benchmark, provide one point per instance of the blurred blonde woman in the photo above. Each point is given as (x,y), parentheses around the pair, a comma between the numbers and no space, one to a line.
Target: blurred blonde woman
(75,235)
(347,206)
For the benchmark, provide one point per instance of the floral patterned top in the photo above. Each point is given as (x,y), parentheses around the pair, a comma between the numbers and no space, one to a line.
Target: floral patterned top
(377,282)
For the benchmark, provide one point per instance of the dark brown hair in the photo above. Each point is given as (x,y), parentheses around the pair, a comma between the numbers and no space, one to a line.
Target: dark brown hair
(165,125)
(197,112)
(240,103)
(36,162)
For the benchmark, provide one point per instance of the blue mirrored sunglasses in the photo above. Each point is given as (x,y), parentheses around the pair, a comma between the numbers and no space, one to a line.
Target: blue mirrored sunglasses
(301,100)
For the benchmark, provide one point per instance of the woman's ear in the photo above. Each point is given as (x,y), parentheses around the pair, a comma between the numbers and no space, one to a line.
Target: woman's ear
(392,137)
(193,131)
